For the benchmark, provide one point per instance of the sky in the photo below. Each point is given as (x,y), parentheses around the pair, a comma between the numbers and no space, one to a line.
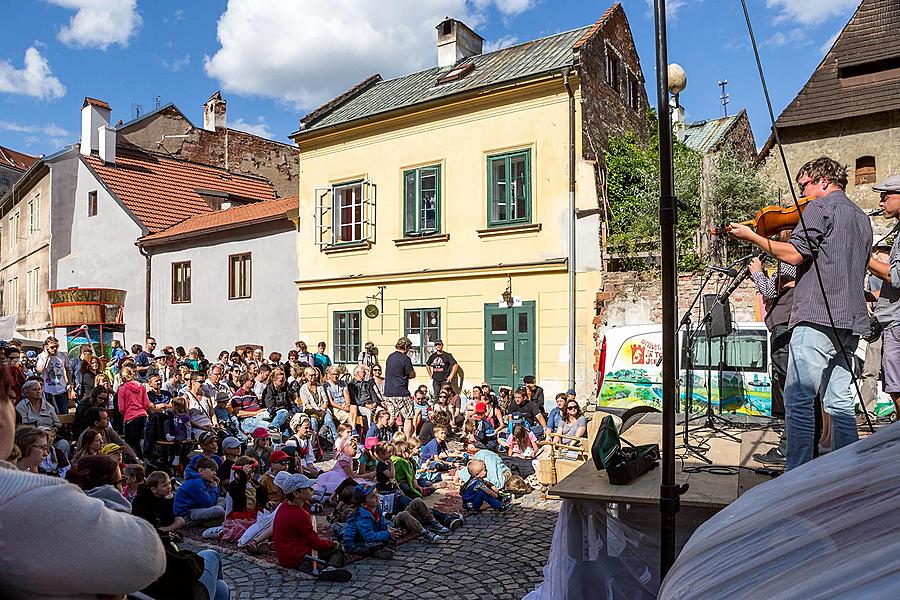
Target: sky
(276,60)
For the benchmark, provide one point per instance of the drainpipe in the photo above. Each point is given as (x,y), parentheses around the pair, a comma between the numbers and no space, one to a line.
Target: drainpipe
(571,259)
(147,256)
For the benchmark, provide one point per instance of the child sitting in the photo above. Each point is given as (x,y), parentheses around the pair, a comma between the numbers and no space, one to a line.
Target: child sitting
(154,502)
(134,477)
(300,425)
(271,494)
(476,491)
(242,491)
(381,426)
(521,443)
(231,450)
(295,536)
(404,472)
(178,429)
(260,450)
(196,499)
(435,453)
(367,459)
(368,532)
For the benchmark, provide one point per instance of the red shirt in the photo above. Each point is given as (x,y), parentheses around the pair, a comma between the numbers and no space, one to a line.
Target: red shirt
(294,535)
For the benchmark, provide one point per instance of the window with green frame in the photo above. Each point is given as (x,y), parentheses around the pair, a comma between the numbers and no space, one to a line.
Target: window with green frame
(422,201)
(422,326)
(509,188)
(347,335)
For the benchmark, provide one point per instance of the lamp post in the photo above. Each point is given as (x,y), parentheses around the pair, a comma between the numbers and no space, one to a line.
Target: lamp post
(667,81)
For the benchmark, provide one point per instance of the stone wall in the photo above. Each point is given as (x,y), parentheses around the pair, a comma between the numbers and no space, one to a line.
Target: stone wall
(845,141)
(634,298)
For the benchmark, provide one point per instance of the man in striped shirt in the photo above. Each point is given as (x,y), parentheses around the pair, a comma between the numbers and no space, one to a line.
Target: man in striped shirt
(834,240)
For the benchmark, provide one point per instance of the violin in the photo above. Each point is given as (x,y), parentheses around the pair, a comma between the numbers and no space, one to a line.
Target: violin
(771,220)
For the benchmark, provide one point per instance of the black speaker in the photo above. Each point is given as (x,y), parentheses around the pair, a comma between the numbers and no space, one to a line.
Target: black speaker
(720,316)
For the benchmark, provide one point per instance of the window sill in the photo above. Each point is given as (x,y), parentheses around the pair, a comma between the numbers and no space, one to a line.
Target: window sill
(509,230)
(347,247)
(422,239)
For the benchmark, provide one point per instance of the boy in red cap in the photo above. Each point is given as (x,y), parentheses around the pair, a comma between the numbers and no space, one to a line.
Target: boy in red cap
(486,430)
(260,450)
(279,461)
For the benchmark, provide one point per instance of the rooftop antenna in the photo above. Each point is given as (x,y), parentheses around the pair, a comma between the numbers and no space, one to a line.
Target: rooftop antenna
(136,110)
(724,97)
(156,100)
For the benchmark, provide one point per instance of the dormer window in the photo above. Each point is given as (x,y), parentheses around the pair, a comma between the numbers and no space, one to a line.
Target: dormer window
(456,73)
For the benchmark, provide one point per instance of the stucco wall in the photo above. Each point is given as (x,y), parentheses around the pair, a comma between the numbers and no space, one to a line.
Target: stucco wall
(845,141)
(103,253)
(29,251)
(211,320)
(8,177)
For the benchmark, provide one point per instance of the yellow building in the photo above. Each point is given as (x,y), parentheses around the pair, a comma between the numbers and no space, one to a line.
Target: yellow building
(431,195)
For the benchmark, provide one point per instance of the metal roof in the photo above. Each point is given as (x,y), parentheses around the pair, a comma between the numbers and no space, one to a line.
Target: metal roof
(704,136)
(505,65)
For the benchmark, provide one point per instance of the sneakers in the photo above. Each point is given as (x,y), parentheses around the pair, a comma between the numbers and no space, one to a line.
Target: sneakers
(456,523)
(430,537)
(772,457)
(459,516)
(505,504)
(438,528)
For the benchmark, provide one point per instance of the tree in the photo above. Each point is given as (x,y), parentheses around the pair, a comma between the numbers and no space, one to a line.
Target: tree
(740,191)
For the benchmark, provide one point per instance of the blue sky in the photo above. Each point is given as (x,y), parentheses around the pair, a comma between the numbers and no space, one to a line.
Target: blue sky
(275,60)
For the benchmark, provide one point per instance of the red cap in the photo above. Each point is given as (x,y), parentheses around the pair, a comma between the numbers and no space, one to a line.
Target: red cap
(260,432)
(480,407)
(278,456)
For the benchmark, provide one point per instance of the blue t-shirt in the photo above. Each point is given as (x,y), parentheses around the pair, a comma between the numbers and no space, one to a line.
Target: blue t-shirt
(321,361)
(432,449)
(143,359)
(553,419)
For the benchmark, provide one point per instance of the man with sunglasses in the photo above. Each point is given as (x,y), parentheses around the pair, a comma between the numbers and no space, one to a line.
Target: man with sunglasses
(833,240)
(887,307)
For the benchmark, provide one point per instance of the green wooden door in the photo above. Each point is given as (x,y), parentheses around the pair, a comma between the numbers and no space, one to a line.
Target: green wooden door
(509,344)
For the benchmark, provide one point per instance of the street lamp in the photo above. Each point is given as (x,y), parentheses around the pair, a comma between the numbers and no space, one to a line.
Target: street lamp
(507,293)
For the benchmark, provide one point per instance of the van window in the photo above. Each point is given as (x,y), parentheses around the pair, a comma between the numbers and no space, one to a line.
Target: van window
(745,350)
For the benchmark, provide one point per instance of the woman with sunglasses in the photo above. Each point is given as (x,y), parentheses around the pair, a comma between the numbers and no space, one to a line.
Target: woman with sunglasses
(573,422)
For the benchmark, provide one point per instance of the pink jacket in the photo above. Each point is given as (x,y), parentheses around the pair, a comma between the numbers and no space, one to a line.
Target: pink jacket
(133,400)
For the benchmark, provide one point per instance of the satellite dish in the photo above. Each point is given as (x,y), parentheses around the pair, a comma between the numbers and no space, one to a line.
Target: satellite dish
(371,311)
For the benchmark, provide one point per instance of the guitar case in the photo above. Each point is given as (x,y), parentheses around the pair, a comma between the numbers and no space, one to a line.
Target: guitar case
(623,464)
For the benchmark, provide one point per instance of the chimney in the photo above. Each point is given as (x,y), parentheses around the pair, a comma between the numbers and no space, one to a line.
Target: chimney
(94,114)
(214,113)
(455,42)
(107,148)
(677,113)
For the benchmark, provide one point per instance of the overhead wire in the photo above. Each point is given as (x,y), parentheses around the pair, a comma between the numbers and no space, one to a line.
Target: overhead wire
(777,138)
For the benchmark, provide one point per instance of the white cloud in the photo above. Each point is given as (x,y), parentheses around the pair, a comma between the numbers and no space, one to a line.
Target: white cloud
(315,50)
(34,79)
(99,23)
(177,17)
(508,8)
(826,46)
(260,128)
(673,7)
(504,42)
(811,12)
(177,64)
(53,133)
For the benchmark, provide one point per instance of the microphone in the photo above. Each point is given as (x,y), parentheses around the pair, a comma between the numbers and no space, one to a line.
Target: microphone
(742,259)
(875,213)
(725,270)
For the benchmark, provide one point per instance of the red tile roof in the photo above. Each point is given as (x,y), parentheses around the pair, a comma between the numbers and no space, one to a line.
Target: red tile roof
(239,216)
(95,102)
(162,192)
(16,160)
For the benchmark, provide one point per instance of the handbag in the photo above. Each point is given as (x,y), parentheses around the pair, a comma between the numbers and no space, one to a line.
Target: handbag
(622,464)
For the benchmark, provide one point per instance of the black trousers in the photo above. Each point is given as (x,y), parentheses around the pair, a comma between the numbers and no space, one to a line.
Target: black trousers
(134,435)
(779,340)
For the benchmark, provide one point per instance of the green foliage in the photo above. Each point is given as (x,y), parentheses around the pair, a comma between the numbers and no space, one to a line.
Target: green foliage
(633,193)
(739,191)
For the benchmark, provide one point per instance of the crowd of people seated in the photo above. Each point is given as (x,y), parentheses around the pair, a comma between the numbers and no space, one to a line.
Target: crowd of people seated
(247,448)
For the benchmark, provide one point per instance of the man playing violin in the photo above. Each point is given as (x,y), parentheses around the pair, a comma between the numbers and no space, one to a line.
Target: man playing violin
(887,307)
(834,238)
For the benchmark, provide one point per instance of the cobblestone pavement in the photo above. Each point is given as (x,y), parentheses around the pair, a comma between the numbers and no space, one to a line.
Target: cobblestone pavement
(493,556)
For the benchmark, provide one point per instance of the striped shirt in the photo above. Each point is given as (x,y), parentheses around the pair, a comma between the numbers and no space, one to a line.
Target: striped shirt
(765,284)
(840,243)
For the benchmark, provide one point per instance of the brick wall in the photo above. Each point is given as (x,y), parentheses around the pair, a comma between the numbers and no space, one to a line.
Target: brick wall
(634,298)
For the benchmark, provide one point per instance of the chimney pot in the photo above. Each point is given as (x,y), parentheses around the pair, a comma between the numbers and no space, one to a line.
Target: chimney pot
(94,114)
(214,113)
(107,149)
(456,42)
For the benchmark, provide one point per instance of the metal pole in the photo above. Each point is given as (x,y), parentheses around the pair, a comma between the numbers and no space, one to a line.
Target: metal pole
(669,492)
(571,261)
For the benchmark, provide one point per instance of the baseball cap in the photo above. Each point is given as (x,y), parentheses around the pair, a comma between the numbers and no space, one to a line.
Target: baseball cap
(570,392)
(480,407)
(294,482)
(371,442)
(206,437)
(230,442)
(278,456)
(110,448)
(361,491)
(280,479)
(260,433)
(436,342)
(891,184)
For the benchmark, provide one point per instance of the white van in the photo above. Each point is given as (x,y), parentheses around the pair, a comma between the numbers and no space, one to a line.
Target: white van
(631,377)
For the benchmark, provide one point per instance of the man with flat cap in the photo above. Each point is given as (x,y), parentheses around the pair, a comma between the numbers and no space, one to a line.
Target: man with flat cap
(887,307)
